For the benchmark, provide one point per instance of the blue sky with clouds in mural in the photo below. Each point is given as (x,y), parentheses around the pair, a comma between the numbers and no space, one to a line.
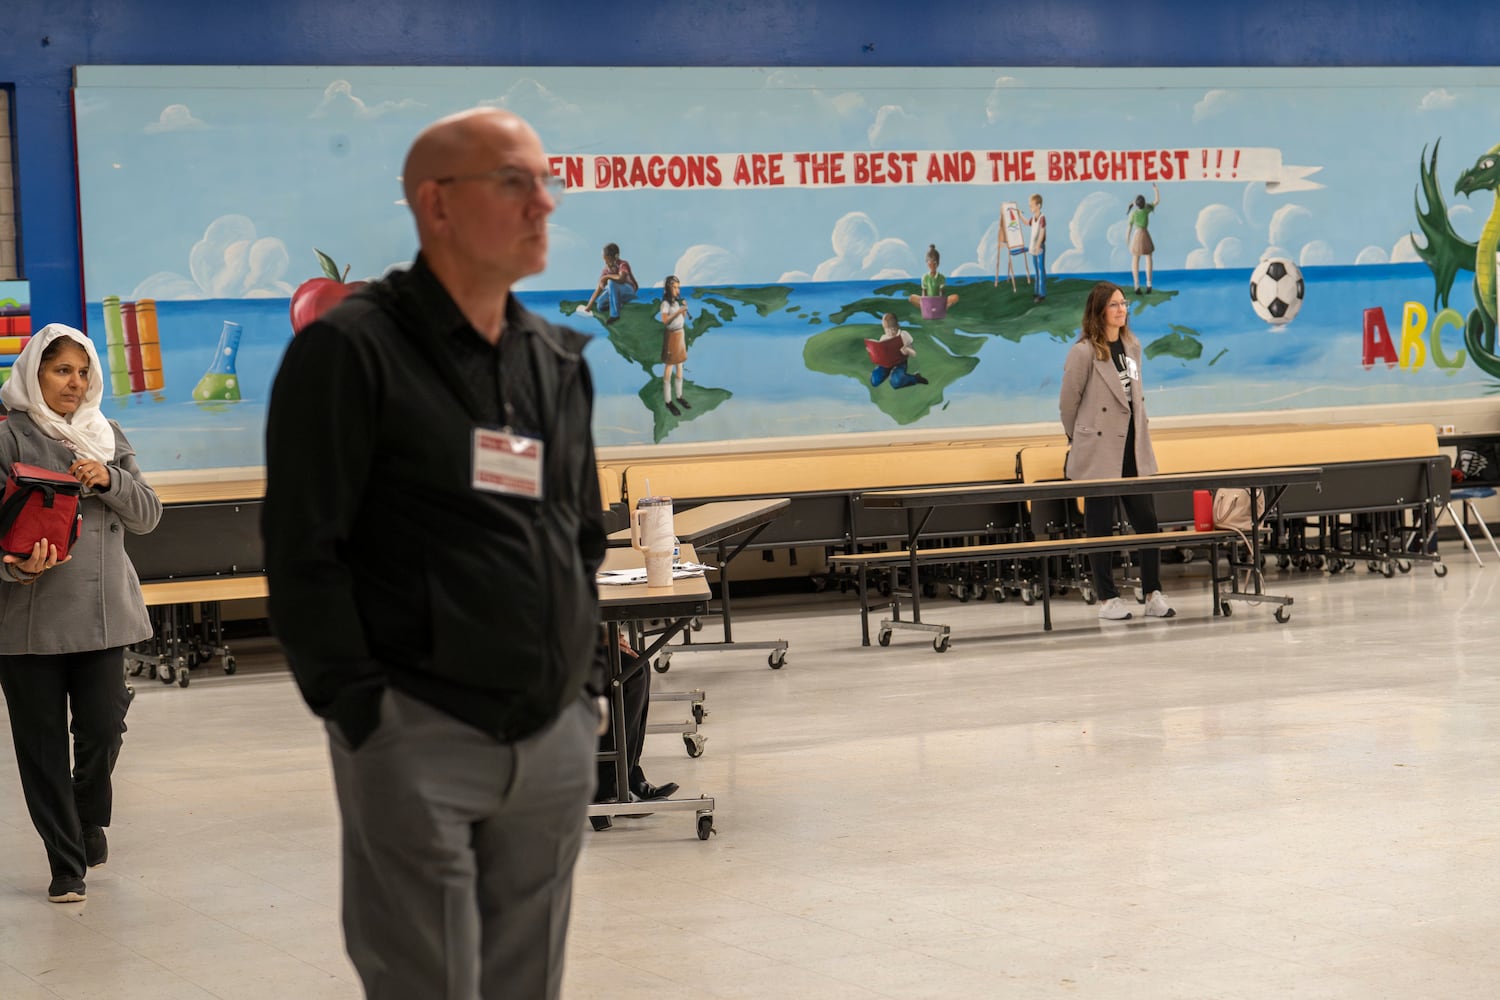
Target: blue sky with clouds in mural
(218,182)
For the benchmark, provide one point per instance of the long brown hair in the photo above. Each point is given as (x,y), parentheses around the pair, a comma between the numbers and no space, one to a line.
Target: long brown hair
(1094,311)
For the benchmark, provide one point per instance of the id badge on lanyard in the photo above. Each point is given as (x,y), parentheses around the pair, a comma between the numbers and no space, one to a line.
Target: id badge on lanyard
(507,463)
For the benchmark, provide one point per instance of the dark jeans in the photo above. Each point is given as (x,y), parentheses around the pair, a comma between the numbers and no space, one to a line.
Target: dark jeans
(1099,519)
(39,692)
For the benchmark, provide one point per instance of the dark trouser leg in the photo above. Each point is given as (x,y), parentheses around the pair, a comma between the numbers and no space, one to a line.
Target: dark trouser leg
(637,701)
(97,696)
(37,689)
(1099,519)
(1141,510)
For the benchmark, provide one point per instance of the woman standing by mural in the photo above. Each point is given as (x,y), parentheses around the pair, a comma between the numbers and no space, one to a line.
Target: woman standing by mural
(1139,236)
(64,624)
(1103,409)
(674,314)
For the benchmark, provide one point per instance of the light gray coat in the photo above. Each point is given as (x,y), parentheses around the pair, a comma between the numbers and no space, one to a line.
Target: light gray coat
(93,601)
(1096,415)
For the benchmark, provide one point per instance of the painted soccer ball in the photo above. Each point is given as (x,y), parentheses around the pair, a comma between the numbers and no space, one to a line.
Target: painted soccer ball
(1276,290)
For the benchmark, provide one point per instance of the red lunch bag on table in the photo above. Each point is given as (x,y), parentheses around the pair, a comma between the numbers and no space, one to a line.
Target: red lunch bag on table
(39,503)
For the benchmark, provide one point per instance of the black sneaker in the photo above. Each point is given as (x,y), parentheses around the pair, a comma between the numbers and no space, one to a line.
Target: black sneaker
(672,409)
(684,403)
(66,889)
(95,846)
(921,379)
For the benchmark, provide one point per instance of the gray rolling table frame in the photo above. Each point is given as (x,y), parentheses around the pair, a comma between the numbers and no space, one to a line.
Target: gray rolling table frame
(920,503)
(721,534)
(679,610)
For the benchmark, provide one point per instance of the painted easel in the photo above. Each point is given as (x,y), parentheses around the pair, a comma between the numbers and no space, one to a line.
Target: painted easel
(1011,243)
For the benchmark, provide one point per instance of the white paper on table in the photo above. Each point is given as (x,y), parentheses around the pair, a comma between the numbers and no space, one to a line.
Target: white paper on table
(622,577)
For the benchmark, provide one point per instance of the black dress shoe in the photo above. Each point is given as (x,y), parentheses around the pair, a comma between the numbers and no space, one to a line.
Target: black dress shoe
(646,791)
(684,403)
(672,408)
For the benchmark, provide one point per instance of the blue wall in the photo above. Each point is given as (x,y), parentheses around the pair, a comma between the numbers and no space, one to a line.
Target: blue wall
(42,40)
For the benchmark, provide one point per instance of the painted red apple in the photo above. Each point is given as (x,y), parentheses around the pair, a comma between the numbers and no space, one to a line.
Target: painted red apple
(316,296)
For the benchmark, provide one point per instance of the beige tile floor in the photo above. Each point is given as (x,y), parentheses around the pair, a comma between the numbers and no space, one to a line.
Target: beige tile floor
(1192,808)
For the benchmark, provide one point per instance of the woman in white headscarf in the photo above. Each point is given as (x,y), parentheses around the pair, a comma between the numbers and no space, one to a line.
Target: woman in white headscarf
(64,623)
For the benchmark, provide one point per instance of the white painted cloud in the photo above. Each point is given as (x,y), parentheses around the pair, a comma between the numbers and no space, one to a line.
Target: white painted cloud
(704,264)
(175,118)
(1372,255)
(1090,235)
(1001,96)
(532,101)
(1199,258)
(1405,251)
(890,257)
(895,128)
(1215,222)
(1316,253)
(1229,252)
(1437,100)
(1215,102)
(1291,225)
(339,101)
(230,262)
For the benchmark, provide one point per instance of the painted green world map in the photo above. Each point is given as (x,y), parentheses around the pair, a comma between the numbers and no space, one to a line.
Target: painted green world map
(946,349)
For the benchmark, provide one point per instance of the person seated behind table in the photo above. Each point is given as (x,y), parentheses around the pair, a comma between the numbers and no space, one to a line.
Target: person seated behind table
(637,702)
(899,376)
(616,283)
(932,282)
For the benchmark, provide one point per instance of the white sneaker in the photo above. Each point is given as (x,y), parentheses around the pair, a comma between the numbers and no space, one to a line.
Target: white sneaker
(1114,610)
(1157,606)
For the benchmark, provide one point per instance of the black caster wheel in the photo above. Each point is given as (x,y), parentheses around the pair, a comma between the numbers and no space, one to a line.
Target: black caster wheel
(705,827)
(1283,615)
(136,668)
(940,644)
(166,673)
(182,677)
(1282,562)
(1226,609)
(229,665)
(1374,567)
(151,671)
(884,638)
(1027,597)
(1403,565)
(777,660)
(699,714)
(693,742)
(1440,570)
(697,624)
(998,594)
(129,693)
(962,593)
(885,588)
(1387,570)
(662,665)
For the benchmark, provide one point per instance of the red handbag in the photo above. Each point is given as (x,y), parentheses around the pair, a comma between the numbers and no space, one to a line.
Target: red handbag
(39,503)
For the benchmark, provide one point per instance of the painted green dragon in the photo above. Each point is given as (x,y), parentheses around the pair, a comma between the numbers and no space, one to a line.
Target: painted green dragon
(1447,253)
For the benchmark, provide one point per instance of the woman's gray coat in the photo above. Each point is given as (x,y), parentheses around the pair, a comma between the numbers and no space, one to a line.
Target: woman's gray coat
(92,601)
(1096,415)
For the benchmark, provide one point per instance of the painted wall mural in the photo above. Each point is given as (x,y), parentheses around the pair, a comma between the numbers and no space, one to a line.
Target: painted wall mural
(849,250)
